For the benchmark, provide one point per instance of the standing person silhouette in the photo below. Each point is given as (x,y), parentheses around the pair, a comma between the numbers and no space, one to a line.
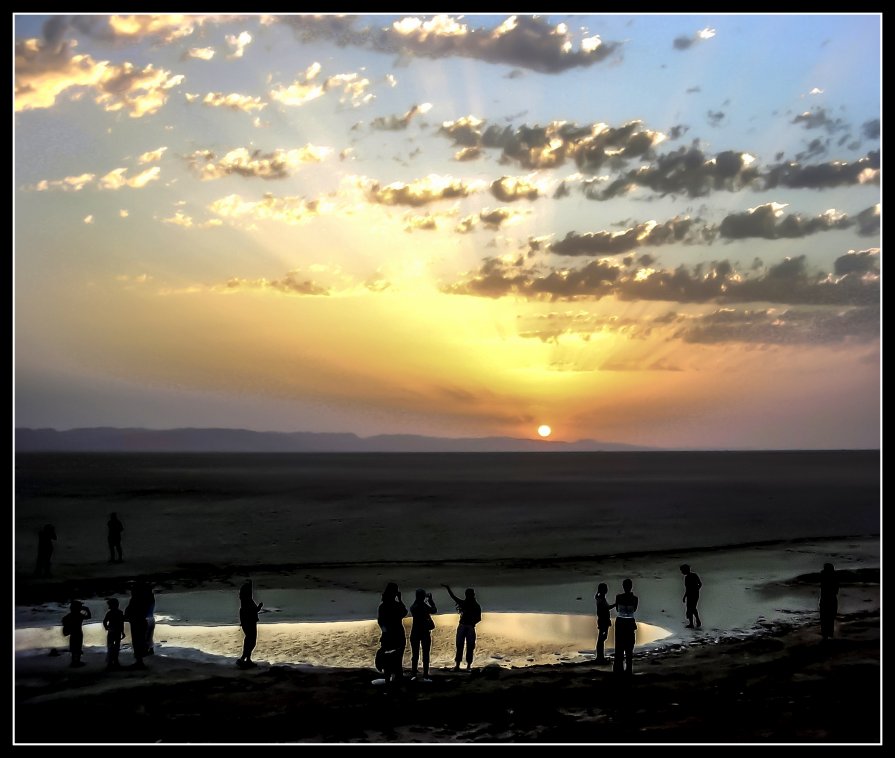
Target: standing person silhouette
(46,536)
(248,620)
(470,615)
(603,621)
(149,605)
(421,631)
(113,623)
(392,642)
(71,627)
(829,602)
(135,615)
(692,583)
(625,628)
(113,537)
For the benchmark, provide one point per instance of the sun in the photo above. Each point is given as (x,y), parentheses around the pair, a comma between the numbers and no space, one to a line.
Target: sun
(544,430)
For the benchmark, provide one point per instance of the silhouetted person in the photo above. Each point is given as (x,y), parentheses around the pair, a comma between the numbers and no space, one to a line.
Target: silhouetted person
(421,631)
(692,584)
(71,627)
(248,620)
(625,628)
(115,528)
(392,641)
(46,536)
(470,615)
(113,623)
(603,621)
(135,615)
(149,605)
(829,602)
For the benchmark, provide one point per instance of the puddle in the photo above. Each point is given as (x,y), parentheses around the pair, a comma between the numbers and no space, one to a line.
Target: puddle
(504,639)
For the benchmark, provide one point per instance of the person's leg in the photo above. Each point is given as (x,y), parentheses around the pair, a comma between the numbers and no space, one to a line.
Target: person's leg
(426,642)
(111,551)
(470,645)
(248,645)
(461,638)
(696,616)
(415,653)
(602,634)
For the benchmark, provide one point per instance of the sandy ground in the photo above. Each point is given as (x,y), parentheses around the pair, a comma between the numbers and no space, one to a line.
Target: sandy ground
(320,543)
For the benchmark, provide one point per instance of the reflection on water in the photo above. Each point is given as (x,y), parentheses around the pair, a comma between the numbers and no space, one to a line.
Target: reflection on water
(506,639)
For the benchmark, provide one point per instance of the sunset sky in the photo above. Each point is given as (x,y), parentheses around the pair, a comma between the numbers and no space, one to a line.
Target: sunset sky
(656,230)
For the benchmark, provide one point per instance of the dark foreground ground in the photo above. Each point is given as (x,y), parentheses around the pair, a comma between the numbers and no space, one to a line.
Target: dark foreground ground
(784,685)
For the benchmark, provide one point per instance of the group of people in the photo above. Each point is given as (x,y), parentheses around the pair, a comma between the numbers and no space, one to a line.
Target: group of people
(139,613)
(625,624)
(46,536)
(393,640)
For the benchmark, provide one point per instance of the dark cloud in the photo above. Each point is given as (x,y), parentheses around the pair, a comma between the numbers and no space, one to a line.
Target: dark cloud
(857,262)
(527,42)
(677,131)
(871,129)
(868,221)
(814,149)
(768,222)
(616,243)
(683,42)
(399,123)
(715,117)
(535,147)
(686,171)
(788,282)
(825,175)
(820,119)
(774,327)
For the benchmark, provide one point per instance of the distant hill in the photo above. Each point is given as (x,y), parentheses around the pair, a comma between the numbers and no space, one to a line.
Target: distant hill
(112,440)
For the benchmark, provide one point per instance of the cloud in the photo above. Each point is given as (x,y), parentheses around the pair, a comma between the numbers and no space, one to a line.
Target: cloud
(67,184)
(684,42)
(715,117)
(857,262)
(794,175)
(398,123)
(820,119)
(871,129)
(420,192)
(152,155)
(167,27)
(43,73)
(181,219)
(677,230)
(868,221)
(277,164)
(467,154)
(533,147)
(200,53)
(116,179)
(290,284)
(305,89)
(508,189)
(768,222)
(788,282)
(289,210)
(238,43)
(523,41)
(685,171)
(773,326)
(234,101)
(494,218)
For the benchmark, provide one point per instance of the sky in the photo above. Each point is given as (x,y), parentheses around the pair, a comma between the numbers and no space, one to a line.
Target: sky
(659,230)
